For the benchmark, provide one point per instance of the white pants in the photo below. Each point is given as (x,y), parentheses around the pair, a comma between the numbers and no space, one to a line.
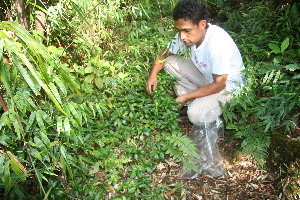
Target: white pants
(204,109)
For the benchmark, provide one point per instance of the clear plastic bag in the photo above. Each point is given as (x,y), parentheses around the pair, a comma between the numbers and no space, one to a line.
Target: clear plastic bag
(206,136)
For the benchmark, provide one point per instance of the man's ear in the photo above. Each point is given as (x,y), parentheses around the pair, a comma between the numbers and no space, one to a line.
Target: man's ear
(202,23)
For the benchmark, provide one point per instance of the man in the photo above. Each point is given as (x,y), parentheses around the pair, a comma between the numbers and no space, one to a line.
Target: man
(212,69)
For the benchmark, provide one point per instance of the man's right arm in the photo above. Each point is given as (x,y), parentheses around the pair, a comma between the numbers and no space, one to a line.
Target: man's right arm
(157,66)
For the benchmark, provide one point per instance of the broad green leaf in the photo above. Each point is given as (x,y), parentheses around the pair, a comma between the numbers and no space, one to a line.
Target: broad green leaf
(274,48)
(39,119)
(39,80)
(89,70)
(122,75)
(112,69)
(67,127)
(33,144)
(46,140)
(38,156)
(63,165)
(296,76)
(39,55)
(57,51)
(30,121)
(18,128)
(292,67)
(74,112)
(4,80)
(15,160)
(45,171)
(132,190)
(1,48)
(55,92)
(91,107)
(30,101)
(99,82)
(47,118)
(40,144)
(16,169)
(2,158)
(71,83)
(7,178)
(285,44)
(59,125)
(63,153)
(4,139)
(103,63)
(277,59)
(37,50)
(89,78)
(4,35)
(61,86)
(277,76)
(99,109)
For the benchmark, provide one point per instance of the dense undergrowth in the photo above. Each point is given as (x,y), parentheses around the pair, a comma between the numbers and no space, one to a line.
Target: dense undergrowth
(79,123)
(269,106)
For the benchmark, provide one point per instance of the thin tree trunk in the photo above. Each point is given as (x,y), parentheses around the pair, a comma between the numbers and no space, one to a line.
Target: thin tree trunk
(3,103)
(40,22)
(19,6)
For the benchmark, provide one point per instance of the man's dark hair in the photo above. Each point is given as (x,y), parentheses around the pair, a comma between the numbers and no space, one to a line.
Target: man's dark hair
(191,10)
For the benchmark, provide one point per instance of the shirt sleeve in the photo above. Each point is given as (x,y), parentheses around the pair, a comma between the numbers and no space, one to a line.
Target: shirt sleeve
(176,45)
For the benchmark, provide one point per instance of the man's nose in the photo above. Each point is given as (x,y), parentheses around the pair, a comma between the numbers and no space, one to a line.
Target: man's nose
(182,36)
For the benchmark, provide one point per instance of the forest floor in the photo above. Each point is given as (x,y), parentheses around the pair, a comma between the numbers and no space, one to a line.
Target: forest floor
(243,179)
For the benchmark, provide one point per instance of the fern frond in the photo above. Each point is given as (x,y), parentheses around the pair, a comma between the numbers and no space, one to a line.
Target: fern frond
(182,149)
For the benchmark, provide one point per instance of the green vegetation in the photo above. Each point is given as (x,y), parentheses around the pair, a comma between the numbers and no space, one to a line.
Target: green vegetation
(77,121)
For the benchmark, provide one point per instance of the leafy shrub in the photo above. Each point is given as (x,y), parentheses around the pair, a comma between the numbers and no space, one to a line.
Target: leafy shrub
(74,127)
(270,100)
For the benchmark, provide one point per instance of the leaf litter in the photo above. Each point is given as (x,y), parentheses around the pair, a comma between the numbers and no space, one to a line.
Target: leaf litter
(244,179)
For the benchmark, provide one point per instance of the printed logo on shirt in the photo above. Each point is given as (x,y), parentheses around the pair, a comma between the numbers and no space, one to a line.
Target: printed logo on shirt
(201,64)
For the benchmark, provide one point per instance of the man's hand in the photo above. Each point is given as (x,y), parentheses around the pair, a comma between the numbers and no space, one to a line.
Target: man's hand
(182,99)
(157,66)
(151,84)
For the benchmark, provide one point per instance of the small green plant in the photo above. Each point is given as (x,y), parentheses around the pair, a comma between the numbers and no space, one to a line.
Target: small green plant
(270,100)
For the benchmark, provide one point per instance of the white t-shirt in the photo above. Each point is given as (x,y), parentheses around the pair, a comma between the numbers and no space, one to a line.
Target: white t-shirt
(217,54)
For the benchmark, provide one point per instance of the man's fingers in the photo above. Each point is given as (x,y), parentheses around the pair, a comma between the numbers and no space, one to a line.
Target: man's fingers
(154,86)
(149,87)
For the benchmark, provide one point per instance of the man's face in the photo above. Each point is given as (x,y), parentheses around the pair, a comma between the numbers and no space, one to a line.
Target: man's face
(191,33)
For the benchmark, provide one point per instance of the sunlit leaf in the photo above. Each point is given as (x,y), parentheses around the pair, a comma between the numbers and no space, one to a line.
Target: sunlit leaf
(2,158)
(71,83)
(89,78)
(285,44)
(39,53)
(55,92)
(38,156)
(7,178)
(89,70)
(99,82)
(292,67)
(67,127)
(60,85)
(1,47)
(39,119)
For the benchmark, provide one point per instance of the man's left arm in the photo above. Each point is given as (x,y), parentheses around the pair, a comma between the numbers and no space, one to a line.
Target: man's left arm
(217,86)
